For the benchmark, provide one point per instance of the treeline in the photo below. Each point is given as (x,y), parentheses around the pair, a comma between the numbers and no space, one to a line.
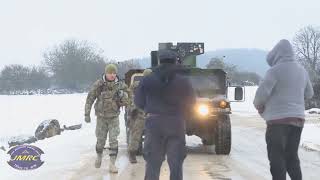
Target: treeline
(306,43)
(235,76)
(71,66)
(18,78)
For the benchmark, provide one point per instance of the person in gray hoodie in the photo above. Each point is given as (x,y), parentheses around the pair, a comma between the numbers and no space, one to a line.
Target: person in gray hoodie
(280,100)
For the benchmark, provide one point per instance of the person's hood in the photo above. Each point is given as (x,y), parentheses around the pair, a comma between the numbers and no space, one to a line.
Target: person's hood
(282,52)
(161,76)
(166,72)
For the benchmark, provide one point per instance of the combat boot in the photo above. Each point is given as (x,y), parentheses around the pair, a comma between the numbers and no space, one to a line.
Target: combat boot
(98,160)
(132,157)
(112,165)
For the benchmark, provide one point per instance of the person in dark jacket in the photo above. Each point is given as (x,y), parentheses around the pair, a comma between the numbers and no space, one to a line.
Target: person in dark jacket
(166,98)
(280,99)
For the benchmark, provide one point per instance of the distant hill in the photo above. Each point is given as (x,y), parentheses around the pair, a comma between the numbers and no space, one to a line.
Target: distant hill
(252,60)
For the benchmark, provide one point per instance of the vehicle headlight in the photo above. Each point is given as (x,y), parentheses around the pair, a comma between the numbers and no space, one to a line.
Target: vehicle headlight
(203,110)
(223,104)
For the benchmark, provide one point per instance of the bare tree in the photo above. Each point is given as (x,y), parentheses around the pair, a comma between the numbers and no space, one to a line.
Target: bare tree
(235,76)
(307,47)
(219,63)
(74,64)
(17,78)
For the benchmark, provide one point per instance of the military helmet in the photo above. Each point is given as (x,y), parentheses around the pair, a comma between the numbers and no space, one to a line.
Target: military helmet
(146,72)
(111,68)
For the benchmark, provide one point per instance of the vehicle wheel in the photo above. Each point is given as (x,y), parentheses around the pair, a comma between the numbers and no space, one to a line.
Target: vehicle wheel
(223,135)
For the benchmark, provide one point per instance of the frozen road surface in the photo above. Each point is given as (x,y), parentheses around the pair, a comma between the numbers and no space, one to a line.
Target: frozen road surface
(247,161)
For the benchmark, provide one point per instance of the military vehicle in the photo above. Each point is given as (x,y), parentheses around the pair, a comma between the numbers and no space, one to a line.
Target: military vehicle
(209,118)
(130,77)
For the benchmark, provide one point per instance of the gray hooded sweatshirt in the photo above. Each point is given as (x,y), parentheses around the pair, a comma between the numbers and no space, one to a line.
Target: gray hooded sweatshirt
(285,87)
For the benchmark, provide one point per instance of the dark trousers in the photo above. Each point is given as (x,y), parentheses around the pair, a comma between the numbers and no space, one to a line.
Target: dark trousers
(282,145)
(159,143)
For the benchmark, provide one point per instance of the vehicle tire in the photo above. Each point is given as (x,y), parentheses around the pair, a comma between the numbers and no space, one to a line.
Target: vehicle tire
(223,135)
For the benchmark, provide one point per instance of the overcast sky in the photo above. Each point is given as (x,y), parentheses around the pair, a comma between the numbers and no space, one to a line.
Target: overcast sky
(131,28)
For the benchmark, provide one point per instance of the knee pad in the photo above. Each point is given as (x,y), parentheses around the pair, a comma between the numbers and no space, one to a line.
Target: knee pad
(113,151)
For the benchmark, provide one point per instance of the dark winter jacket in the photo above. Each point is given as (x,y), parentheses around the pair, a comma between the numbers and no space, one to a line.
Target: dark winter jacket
(165,93)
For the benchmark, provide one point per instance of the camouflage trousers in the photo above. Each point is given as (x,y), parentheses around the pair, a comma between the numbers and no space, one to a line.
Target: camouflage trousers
(105,126)
(135,131)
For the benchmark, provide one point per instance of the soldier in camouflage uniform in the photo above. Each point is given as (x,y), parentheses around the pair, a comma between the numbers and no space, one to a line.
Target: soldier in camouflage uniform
(136,122)
(111,94)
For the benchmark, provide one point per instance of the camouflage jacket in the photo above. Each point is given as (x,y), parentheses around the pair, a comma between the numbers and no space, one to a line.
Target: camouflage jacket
(110,97)
(133,110)
(132,88)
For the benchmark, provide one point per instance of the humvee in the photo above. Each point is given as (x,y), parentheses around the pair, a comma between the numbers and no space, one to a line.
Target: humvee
(210,117)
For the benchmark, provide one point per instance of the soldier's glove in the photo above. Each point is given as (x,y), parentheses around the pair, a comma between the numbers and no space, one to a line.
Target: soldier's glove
(87,119)
(120,94)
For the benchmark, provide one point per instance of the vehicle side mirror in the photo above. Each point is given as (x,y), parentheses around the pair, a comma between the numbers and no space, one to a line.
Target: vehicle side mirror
(238,94)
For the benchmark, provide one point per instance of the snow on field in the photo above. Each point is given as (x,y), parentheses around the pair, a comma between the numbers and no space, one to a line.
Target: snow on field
(61,152)
(313,111)
(310,138)
(245,108)
(22,114)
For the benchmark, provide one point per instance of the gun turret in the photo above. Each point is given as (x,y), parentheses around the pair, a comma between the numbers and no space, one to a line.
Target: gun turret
(187,53)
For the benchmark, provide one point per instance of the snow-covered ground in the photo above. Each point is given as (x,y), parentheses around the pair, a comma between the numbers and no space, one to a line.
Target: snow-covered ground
(311,133)
(20,115)
(245,108)
(311,137)
(313,111)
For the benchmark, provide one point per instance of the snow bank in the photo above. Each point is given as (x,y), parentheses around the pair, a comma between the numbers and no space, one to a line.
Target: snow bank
(310,138)
(313,111)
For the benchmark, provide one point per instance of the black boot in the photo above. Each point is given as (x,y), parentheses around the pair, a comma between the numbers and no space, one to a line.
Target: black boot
(132,157)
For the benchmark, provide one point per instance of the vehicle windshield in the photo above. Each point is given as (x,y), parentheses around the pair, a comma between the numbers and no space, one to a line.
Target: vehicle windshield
(206,86)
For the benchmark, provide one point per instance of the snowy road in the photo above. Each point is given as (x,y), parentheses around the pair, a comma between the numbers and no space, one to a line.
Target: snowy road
(247,161)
